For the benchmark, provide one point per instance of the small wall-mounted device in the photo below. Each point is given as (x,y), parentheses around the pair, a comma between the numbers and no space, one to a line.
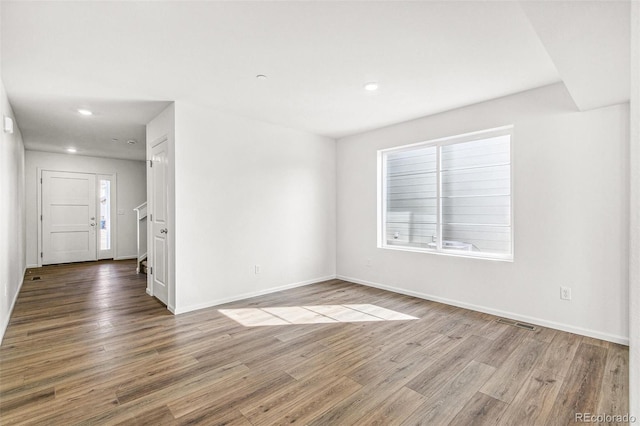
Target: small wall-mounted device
(7,124)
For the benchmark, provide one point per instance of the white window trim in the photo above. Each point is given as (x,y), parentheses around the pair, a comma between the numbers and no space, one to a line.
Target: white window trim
(439,250)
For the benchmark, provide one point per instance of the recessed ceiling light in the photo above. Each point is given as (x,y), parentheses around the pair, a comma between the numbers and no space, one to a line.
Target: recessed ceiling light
(72,150)
(371,86)
(131,141)
(261,77)
(114,139)
(84,111)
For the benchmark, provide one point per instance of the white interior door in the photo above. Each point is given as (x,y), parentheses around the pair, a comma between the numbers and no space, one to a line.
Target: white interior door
(159,272)
(68,217)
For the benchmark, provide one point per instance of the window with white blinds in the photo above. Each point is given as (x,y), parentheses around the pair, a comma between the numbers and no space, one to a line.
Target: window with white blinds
(451,195)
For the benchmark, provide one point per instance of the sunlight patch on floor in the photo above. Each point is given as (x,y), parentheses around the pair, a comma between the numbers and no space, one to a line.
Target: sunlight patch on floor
(320,314)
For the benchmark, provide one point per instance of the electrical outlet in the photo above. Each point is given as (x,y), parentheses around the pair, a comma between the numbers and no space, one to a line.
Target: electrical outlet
(565,293)
(257,269)
(368,263)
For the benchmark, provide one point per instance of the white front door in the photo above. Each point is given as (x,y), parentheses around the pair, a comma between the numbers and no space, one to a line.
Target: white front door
(68,217)
(159,275)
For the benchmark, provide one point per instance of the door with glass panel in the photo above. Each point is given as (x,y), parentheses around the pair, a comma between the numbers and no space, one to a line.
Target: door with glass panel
(106,215)
(78,217)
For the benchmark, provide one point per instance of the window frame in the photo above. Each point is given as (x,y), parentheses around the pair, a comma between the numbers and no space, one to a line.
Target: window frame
(438,143)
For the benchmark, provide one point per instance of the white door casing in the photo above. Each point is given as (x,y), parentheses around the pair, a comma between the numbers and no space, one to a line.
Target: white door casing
(68,217)
(158,209)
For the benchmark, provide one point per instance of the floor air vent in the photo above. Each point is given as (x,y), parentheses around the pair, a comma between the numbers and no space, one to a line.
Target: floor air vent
(35,278)
(523,325)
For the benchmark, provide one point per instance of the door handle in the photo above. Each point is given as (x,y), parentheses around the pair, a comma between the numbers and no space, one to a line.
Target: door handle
(93,224)
(164,231)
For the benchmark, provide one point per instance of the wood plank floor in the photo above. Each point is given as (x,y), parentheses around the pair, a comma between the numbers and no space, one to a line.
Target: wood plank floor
(86,345)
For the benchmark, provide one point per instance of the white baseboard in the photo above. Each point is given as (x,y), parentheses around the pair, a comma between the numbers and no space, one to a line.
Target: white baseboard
(35,265)
(134,256)
(149,292)
(182,310)
(511,315)
(5,321)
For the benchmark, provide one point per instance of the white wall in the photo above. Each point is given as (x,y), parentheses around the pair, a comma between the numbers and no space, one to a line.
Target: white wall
(570,205)
(12,210)
(131,187)
(249,193)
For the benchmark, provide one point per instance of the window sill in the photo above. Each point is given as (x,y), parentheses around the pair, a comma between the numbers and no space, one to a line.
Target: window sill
(450,253)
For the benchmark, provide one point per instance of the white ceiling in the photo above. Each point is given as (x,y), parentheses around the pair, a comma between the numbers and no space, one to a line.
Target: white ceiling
(589,43)
(125,60)
(53,124)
